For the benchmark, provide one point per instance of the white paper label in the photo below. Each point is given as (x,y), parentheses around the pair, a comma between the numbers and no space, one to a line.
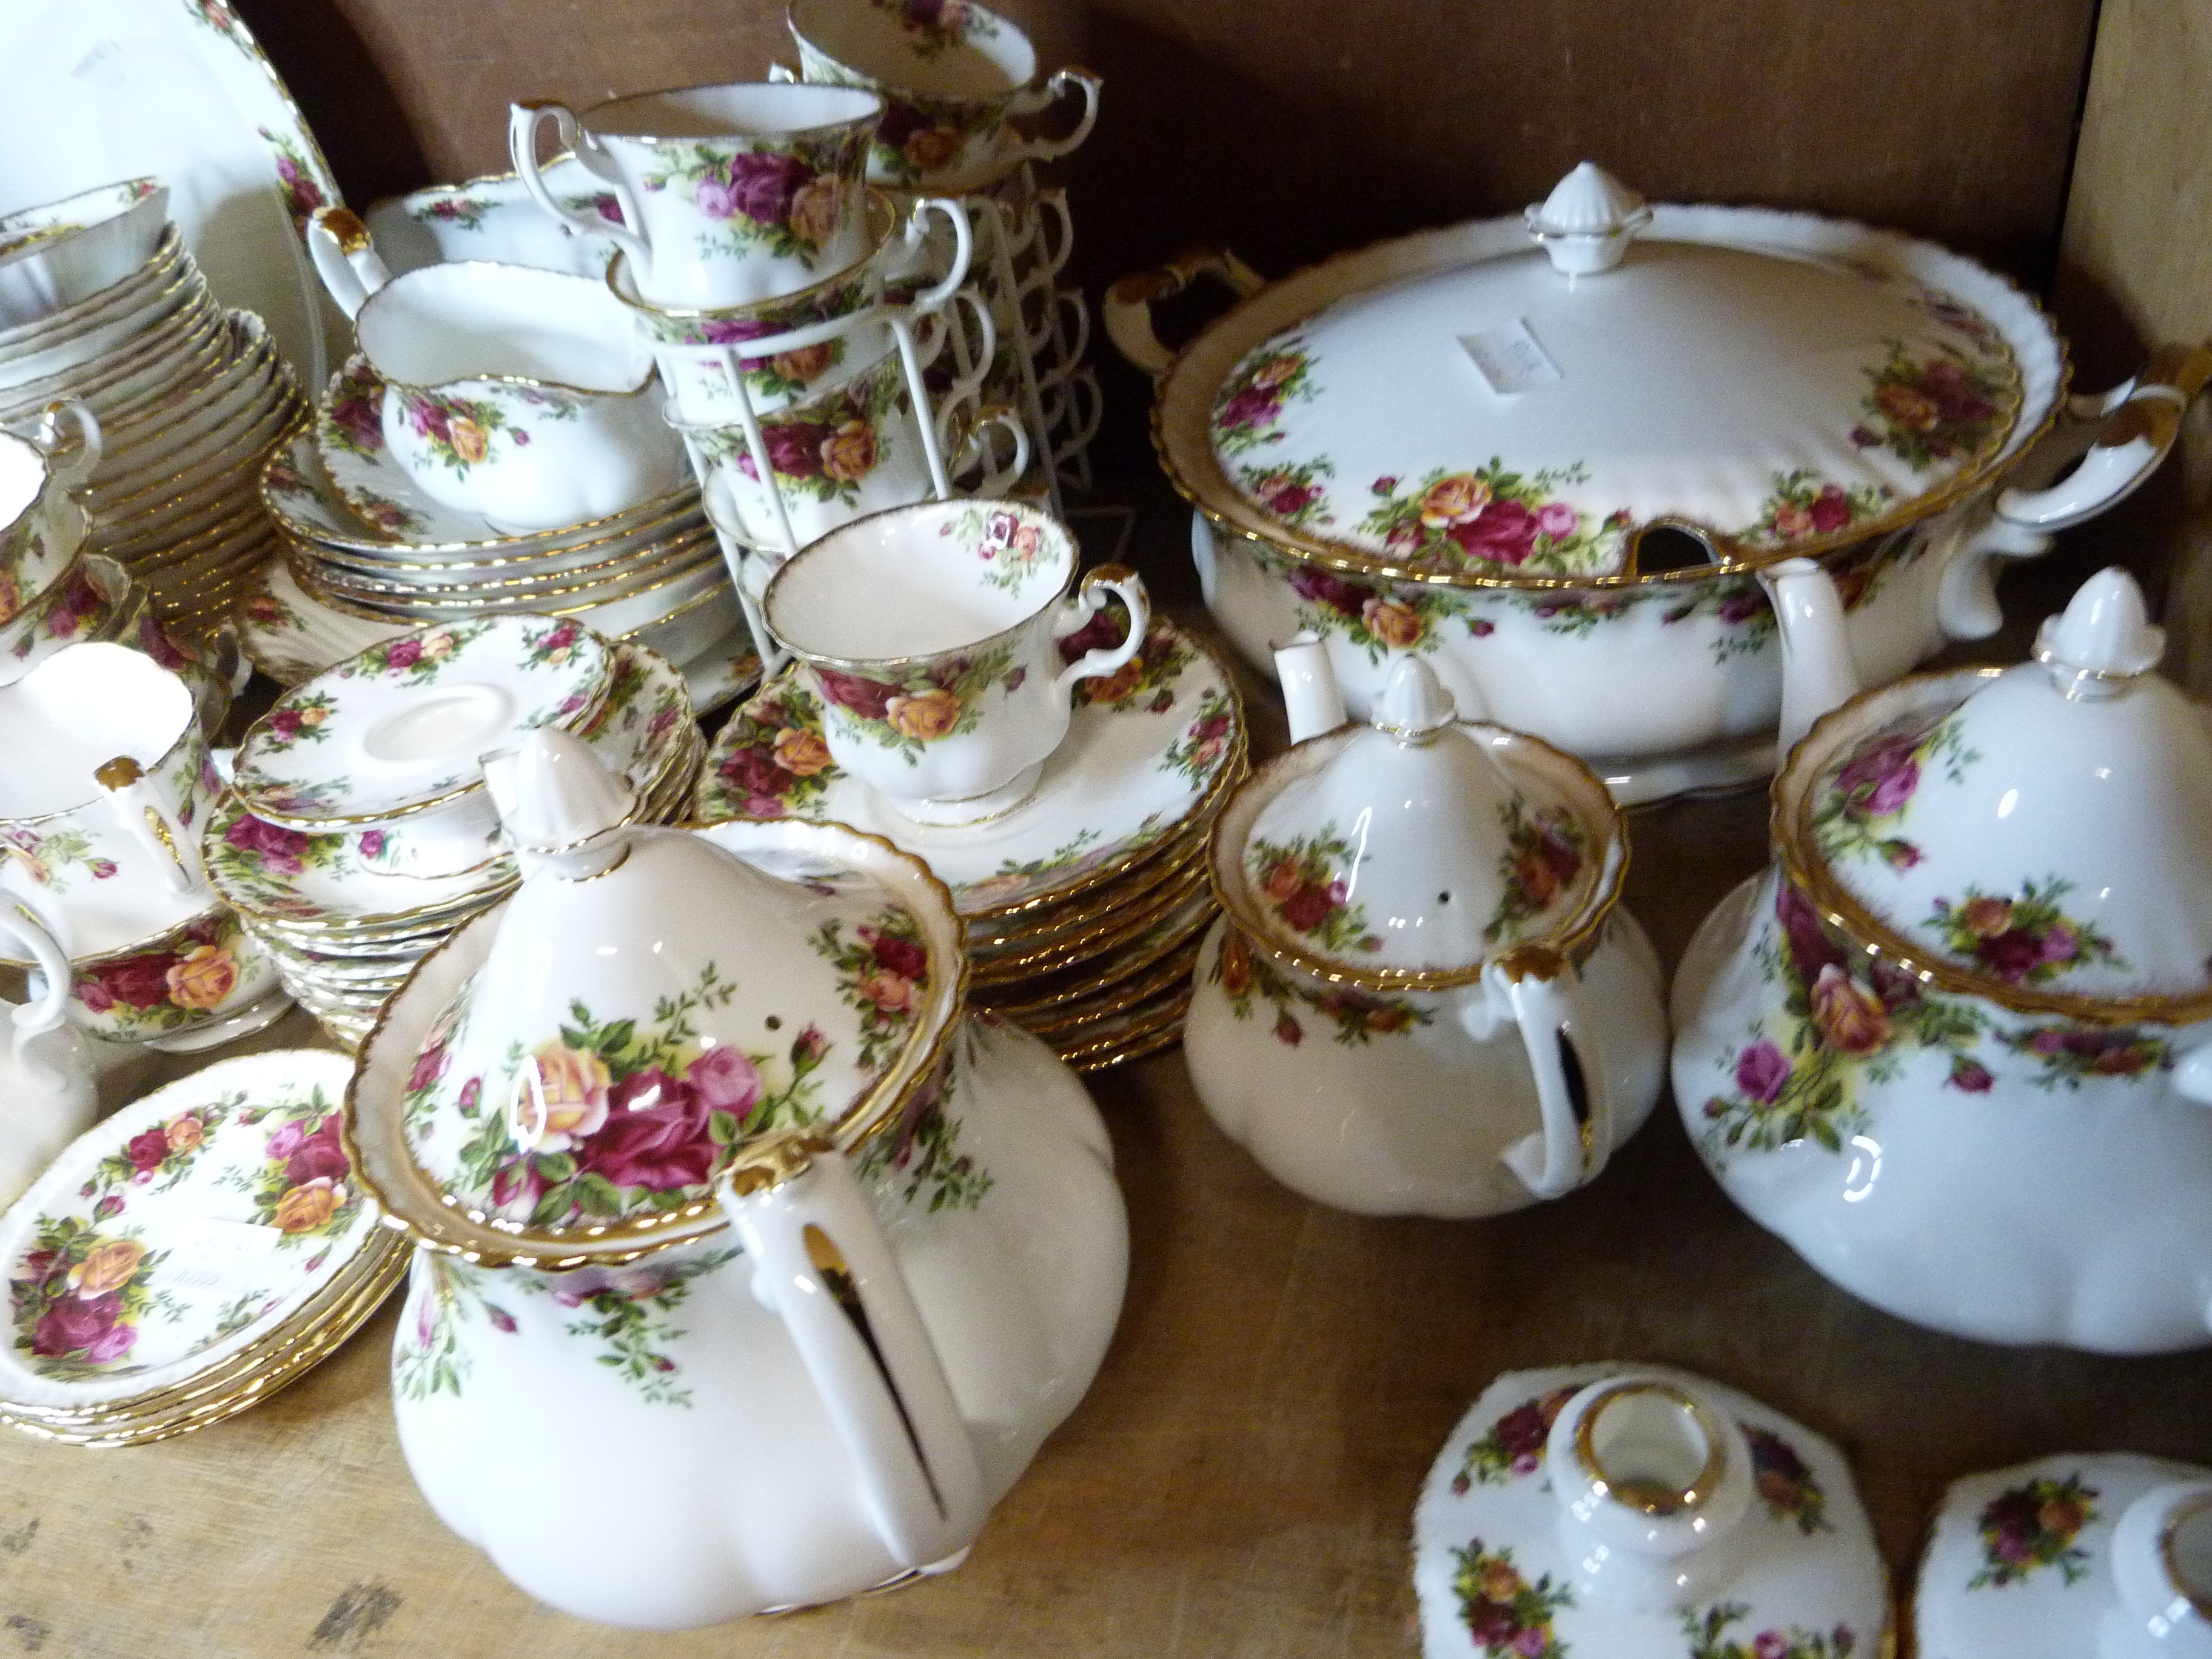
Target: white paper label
(1510,357)
(218,1255)
(106,66)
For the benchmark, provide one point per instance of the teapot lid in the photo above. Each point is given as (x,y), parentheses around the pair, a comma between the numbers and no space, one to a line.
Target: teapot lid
(652,1012)
(1412,850)
(2043,834)
(1528,411)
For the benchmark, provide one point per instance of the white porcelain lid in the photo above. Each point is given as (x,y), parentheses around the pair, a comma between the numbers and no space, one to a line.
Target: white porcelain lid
(1421,843)
(1503,416)
(2048,828)
(650,1005)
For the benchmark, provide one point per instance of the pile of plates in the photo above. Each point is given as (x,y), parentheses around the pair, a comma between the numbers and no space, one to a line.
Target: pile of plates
(364,546)
(1084,905)
(347,914)
(190,1255)
(190,400)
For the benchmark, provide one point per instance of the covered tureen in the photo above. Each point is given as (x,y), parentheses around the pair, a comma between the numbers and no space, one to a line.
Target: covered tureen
(1422,998)
(1951,1047)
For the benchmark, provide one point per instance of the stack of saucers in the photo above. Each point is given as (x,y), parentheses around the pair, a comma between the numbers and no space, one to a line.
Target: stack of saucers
(190,1255)
(1084,905)
(190,400)
(358,833)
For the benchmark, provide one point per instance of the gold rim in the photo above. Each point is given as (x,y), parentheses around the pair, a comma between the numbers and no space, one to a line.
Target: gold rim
(1179,934)
(1185,852)
(1837,908)
(1128,995)
(1096,940)
(1646,1496)
(1162,1031)
(2198,1597)
(779,135)
(883,218)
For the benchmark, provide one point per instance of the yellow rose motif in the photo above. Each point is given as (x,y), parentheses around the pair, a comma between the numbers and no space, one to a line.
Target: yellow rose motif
(815,210)
(107,1268)
(1500,1582)
(560,1096)
(1235,965)
(304,1208)
(470,440)
(311,715)
(185,1132)
(931,147)
(849,452)
(11,597)
(201,977)
(801,753)
(1454,500)
(437,646)
(1907,407)
(892,993)
(1112,688)
(806,362)
(1276,370)
(924,717)
(1853,1020)
(1985,918)
(1394,624)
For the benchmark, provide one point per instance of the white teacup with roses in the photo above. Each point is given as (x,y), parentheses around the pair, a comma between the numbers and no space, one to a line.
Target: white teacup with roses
(934,633)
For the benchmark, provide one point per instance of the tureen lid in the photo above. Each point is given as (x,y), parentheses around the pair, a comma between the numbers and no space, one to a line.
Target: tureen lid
(648,1012)
(1413,850)
(1527,409)
(2046,829)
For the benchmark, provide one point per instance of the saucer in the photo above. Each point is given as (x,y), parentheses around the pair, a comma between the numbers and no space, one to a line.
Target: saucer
(181,1233)
(398,727)
(1144,755)
(1496,1581)
(1105,973)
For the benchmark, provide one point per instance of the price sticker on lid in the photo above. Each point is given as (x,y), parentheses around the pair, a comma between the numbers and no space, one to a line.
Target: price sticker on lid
(1510,358)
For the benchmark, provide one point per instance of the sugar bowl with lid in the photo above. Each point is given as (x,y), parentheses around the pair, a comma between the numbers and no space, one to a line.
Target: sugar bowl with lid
(724,1072)
(1951,1046)
(1423,998)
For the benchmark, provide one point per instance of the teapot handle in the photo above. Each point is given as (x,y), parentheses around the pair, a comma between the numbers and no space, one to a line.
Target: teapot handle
(1130,302)
(821,1262)
(1542,993)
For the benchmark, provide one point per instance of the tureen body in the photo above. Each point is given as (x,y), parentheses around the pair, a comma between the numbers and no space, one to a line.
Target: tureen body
(1951,1046)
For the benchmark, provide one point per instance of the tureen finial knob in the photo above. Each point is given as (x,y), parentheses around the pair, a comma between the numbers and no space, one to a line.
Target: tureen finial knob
(2105,638)
(1587,223)
(553,794)
(1414,702)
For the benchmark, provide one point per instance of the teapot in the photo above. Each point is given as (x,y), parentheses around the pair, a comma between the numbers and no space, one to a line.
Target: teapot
(1951,1047)
(698,1150)
(1436,897)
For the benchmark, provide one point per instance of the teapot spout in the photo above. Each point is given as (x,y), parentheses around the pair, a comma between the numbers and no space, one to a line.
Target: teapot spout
(1310,694)
(1818,673)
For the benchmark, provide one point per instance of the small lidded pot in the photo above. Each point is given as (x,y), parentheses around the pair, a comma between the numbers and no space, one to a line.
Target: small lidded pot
(1431,900)
(1951,1047)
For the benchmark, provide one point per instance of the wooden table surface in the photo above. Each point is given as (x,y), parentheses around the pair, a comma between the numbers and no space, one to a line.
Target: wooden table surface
(1239,1481)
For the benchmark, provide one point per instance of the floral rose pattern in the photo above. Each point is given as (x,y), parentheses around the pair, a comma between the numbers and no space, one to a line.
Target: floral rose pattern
(298,718)
(1403,619)
(2033,1526)
(304,1187)
(1942,407)
(2070,1055)
(50,859)
(1493,519)
(1508,1617)
(427,1356)
(884,975)
(942,697)
(305,182)
(820,450)
(1248,978)
(1804,505)
(459,431)
(1147,677)
(1299,881)
(411,659)
(626,1310)
(777,763)
(1515,1445)
(788,201)
(1788,1488)
(151,991)
(1010,542)
(1290,495)
(2026,940)
(1709,1637)
(1205,745)
(1251,400)
(1858,804)
(923,1150)
(81,1295)
(1544,851)
(934,26)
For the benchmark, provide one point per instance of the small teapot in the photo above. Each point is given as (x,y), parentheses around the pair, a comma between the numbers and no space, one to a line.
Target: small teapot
(1953,1046)
(725,1072)
(1436,897)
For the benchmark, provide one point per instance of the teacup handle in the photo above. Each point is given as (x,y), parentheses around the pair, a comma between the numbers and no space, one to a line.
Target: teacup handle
(522,123)
(46,1010)
(1052,254)
(963,246)
(1089,594)
(1540,991)
(1085,414)
(1046,149)
(822,1264)
(148,819)
(345,259)
(965,442)
(70,463)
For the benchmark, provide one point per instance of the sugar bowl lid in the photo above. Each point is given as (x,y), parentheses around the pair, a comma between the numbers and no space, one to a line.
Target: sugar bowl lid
(1412,850)
(2042,835)
(648,1013)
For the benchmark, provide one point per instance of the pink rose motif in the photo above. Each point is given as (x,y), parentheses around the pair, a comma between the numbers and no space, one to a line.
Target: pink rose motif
(429,1065)
(146,1150)
(501,1319)
(1530,1643)
(1253,406)
(280,849)
(1760,1072)
(320,1156)
(403,655)
(87,1322)
(899,955)
(794,450)
(735,330)
(754,774)
(2061,944)
(1970,1076)
(516,1190)
(1555,520)
(102,868)
(810,1045)
(655,1136)
(1504,533)
(1740,607)
(290,1139)
(726,1081)
(372,844)
(1831,509)
(1310,581)
(1287,1031)
(761,187)
(1289,498)
(112,1204)
(360,421)
(1770,1644)
(869,699)
(1880,777)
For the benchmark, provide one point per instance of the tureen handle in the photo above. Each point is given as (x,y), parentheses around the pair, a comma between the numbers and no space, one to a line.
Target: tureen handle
(2141,423)
(1542,992)
(821,1263)
(1129,301)
(345,258)
(523,121)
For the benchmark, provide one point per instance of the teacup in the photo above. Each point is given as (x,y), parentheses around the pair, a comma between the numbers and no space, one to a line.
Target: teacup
(55,255)
(934,636)
(107,782)
(727,194)
(952,74)
(523,395)
(38,529)
(91,599)
(188,986)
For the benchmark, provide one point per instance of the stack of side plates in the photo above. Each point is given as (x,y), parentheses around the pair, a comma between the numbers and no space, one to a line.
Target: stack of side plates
(190,1255)
(190,401)
(1084,905)
(347,915)
(366,549)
